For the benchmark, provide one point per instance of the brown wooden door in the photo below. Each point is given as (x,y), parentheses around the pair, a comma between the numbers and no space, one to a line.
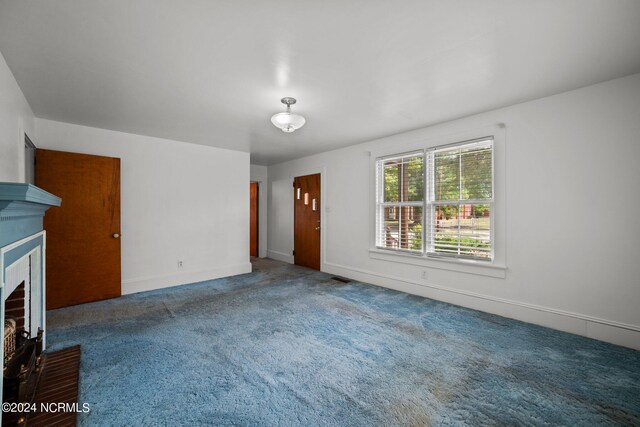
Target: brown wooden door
(306,207)
(253,218)
(83,244)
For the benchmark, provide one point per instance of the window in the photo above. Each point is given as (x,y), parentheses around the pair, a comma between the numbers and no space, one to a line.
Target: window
(401,202)
(437,202)
(460,200)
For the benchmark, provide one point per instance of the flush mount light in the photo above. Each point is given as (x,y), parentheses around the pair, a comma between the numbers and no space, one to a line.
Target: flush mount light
(288,121)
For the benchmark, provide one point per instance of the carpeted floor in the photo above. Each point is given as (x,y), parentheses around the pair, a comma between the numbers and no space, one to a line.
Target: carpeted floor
(287,346)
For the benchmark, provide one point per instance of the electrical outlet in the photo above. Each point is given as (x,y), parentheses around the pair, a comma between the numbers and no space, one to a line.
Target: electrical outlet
(425,274)
(180,264)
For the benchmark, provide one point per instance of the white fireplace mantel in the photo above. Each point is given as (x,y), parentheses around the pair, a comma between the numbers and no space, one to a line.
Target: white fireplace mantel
(23,249)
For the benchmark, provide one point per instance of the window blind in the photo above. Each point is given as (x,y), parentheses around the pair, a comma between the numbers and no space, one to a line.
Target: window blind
(460,200)
(400,202)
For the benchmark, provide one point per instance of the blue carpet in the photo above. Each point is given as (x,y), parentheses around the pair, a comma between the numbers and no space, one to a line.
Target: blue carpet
(287,346)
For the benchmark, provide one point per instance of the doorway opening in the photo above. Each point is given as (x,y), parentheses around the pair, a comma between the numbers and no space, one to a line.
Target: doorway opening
(254,208)
(306,219)
(29,161)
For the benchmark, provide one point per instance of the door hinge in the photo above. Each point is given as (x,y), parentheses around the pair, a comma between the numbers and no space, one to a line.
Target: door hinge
(293,253)
(294,184)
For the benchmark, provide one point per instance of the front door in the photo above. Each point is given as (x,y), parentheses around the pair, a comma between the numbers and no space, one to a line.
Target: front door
(83,235)
(306,206)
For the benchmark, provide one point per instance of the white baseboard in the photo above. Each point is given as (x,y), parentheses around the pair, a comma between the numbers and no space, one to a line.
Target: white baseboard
(142,284)
(592,327)
(280,256)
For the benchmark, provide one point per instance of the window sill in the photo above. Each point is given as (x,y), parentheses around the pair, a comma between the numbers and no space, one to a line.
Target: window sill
(481,268)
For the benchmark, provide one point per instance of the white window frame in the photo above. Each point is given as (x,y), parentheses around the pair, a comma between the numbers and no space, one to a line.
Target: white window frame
(496,267)
(380,196)
(430,203)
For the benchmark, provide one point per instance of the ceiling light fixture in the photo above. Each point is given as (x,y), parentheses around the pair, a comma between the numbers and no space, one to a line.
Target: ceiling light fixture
(288,121)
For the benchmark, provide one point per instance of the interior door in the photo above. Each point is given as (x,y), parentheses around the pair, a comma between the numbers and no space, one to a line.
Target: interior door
(83,235)
(306,206)
(253,218)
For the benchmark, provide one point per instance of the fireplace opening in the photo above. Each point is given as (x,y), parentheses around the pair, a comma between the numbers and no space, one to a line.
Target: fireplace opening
(22,354)
(14,307)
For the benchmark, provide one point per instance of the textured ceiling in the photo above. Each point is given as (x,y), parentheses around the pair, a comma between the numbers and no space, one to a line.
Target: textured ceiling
(213,72)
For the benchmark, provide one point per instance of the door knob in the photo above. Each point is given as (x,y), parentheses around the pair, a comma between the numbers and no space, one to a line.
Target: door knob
(116,235)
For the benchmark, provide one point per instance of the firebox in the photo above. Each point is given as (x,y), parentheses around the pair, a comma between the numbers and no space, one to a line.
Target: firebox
(21,352)
(14,308)
(23,334)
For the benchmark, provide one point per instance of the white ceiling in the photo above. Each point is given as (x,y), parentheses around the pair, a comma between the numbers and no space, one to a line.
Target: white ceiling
(213,72)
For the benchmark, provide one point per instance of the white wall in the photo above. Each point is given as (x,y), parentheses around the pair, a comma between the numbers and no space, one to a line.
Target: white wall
(572,214)
(16,118)
(259,174)
(179,201)
(281,211)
